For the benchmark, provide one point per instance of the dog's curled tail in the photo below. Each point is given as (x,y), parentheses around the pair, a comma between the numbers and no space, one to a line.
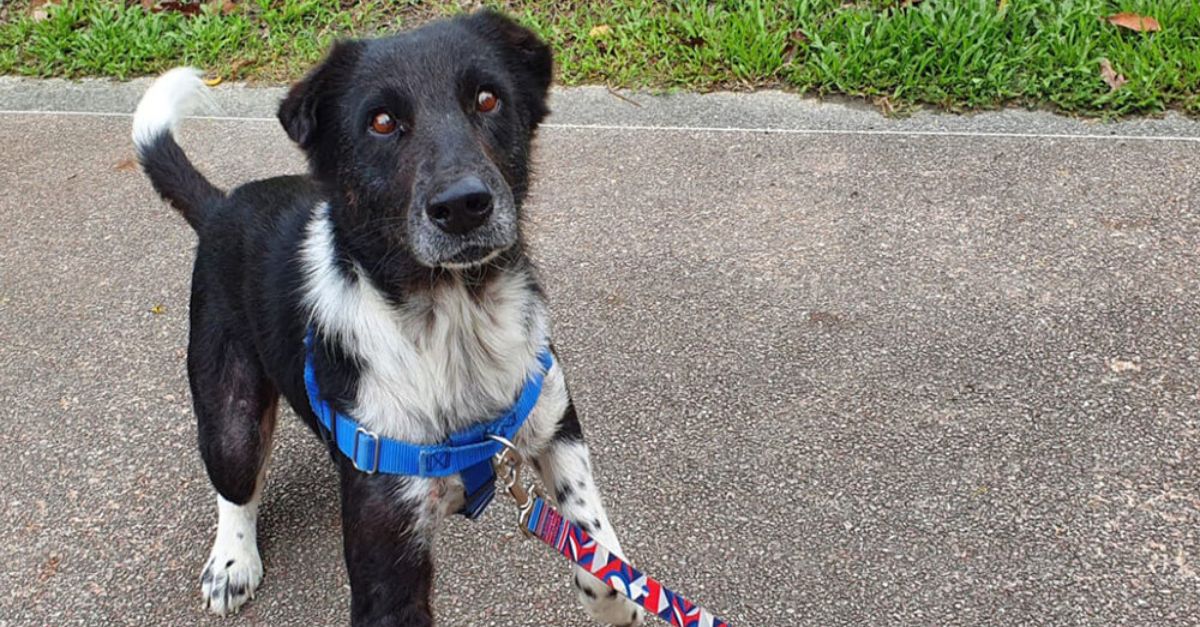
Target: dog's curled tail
(172,96)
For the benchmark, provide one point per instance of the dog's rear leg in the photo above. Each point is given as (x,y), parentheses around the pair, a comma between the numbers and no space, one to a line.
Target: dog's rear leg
(567,472)
(236,408)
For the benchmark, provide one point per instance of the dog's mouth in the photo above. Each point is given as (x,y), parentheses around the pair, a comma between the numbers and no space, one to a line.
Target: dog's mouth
(472,256)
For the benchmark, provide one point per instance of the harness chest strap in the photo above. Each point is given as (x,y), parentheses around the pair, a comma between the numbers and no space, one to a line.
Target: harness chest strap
(468,452)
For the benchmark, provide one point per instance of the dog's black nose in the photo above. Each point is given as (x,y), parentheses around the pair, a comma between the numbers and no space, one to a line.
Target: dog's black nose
(461,206)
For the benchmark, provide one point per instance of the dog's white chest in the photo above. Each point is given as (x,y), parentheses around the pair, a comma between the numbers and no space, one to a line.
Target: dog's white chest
(453,357)
(446,357)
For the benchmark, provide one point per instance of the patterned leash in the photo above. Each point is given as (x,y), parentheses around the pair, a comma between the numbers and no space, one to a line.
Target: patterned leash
(539,519)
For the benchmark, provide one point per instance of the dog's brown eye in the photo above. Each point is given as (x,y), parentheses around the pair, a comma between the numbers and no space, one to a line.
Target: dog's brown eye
(383,123)
(486,101)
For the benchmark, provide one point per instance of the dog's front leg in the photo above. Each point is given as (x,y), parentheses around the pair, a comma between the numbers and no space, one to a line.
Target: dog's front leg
(387,533)
(566,471)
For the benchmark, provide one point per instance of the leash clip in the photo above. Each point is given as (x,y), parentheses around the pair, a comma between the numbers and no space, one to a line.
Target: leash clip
(508,463)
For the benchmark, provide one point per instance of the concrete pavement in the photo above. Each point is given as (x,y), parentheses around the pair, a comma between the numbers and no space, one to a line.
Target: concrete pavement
(836,369)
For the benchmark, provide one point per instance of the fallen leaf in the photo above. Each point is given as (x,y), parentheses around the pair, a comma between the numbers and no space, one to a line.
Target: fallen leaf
(39,15)
(796,39)
(1123,365)
(824,317)
(885,105)
(214,81)
(236,68)
(128,164)
(618,95)
(49,568)
(183,8)
(158,310)
(1133,21)
(601,30)
(1110,75)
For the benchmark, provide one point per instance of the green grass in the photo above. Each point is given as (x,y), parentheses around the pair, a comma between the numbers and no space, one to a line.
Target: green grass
(957,54)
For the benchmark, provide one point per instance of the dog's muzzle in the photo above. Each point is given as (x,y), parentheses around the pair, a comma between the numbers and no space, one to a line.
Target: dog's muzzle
(467,223)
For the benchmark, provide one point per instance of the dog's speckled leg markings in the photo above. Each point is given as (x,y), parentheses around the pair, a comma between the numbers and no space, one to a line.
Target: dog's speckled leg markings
(566,471)
(234,569)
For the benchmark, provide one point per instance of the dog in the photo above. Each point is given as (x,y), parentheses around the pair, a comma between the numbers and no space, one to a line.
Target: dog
(396,269)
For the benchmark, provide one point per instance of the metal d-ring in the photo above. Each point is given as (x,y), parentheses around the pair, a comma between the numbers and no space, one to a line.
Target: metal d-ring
(508,445)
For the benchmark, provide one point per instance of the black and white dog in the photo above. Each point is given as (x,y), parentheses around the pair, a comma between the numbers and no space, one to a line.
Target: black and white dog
(402,250)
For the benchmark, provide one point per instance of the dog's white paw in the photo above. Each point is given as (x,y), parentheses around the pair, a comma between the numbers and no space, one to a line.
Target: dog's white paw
(231,576)
(604,604)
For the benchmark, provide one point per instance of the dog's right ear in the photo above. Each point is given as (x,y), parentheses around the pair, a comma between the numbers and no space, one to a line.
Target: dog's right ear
(301,112)
(525,53)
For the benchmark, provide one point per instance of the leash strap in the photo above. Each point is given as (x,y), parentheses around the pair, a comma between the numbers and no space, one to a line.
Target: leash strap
(575,544)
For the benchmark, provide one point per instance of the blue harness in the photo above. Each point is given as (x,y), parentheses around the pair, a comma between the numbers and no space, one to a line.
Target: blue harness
(467,452)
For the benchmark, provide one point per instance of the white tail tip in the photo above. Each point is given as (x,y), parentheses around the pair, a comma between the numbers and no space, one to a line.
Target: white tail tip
(171,97)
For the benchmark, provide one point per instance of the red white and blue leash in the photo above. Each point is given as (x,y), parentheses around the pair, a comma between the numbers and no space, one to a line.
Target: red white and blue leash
(467,453)
(539,519)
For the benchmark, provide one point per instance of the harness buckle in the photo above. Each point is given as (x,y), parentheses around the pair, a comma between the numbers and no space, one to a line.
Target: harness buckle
(374,437)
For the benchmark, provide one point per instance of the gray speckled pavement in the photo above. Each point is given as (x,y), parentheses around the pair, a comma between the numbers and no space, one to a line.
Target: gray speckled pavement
(836,369)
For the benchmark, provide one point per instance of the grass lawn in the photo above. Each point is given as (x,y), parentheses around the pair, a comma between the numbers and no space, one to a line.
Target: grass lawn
(957,54)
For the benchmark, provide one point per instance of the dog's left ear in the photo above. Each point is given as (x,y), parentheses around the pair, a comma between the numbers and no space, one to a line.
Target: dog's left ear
(524,53)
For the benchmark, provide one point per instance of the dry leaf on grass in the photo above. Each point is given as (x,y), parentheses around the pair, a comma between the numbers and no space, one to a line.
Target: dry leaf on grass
(235,70)
(40,10)
(1110,75)
(599,36)
(185,8)
(791,48)
(1133,21)
(885,106)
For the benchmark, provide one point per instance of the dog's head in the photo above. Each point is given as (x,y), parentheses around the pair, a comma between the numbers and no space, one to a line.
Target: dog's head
(422,139)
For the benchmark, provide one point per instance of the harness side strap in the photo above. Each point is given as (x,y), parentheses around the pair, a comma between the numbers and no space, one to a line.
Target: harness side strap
(578,546)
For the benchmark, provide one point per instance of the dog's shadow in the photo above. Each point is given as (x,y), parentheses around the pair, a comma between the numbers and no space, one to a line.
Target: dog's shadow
(300,512)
